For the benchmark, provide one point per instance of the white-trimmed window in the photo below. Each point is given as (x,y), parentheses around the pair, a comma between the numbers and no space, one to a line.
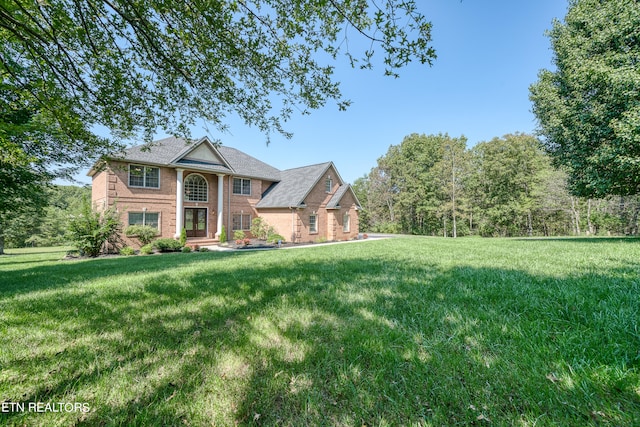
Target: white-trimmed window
(328,183)
(346,223)
(144,176)
(151,219)
(196,188)
(241,221)
(313,223)
(242,186)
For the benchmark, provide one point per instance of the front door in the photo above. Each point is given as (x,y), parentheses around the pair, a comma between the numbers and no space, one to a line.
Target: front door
(195,222)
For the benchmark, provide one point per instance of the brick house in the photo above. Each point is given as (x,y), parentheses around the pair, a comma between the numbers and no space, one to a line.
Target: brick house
(201,187)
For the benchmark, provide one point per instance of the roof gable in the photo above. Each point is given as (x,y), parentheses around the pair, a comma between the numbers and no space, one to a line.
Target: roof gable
(294,186)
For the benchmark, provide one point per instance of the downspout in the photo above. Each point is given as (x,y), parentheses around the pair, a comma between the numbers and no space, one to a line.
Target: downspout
(228,227)
(293,224)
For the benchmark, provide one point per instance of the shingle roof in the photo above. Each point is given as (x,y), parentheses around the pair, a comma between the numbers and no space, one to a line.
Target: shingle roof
(335,200)
(293,187)
(169,152)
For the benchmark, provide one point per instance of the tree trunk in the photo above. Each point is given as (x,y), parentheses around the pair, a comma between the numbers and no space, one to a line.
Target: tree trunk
(589,224)
(576,217)
(1,243)
(529,224)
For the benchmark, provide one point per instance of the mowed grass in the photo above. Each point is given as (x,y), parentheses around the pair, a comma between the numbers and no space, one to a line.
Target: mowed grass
(407,331)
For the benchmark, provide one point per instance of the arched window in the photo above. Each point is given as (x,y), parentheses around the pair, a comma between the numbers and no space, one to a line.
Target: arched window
(195,188)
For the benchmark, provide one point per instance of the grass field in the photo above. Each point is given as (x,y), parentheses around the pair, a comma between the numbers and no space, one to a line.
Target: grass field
(407,331)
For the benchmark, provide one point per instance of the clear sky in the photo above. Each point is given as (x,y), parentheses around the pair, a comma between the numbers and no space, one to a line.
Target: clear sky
(489,53)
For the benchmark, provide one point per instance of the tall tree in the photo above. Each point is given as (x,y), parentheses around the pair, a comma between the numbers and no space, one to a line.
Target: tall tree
(507,176)
(588,109)
(136,67)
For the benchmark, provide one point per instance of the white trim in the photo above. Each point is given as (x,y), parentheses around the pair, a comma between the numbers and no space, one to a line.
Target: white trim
(206,183)
(179,201)
(144,176)
(220,205)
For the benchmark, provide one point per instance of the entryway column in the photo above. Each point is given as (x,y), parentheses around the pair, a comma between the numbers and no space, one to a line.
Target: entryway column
(179,204)
(220,205)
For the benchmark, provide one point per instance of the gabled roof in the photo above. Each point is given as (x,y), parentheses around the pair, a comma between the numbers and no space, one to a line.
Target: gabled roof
(294,186)
(174,152)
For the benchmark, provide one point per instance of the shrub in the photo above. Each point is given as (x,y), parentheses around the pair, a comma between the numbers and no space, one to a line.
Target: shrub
(183,237)
(146,249)
(127,251)
(238,235)
(274,238)
(204,249)
(167,244)
(186,249)
(144,233)
(260,229)
(91,229)
(223,235)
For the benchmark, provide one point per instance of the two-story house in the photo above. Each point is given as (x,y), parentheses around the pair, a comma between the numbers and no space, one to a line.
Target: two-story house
(201,187)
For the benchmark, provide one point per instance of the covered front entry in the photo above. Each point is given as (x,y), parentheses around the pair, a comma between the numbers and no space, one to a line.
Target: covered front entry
(195,222)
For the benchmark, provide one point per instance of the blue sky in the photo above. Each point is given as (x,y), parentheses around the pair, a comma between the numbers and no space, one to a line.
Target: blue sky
(489,52)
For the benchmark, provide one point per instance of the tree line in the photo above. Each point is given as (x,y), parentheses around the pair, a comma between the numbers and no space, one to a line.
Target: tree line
(435,185)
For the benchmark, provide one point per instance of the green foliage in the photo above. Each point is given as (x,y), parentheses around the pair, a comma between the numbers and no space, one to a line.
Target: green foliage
(587,109)
(136,66)
(186,249)
(146,249)
(223,235)
(260,229)
(144,233)
(204,250)
(183,237)
(90,229)
(275,238)
(167,244)
(127,251)
(238,235)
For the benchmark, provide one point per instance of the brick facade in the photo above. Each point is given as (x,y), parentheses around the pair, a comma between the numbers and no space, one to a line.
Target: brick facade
(111,186)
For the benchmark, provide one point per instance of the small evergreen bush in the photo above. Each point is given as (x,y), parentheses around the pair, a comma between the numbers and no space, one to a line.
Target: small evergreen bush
(146,249)
(186,249)
(127,251)
(167,244)
(183,237)
(144,233)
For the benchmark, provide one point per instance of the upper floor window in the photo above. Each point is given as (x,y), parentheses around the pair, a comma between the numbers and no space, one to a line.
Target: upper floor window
(328,184)
(242,186)
(195,188)
(144,176)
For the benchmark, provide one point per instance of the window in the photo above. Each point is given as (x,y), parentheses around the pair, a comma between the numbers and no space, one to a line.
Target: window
(346,223)
(241,221)
(195,188)
(144,218)
(144,176)
(328,184)
(242,186)
(313,223)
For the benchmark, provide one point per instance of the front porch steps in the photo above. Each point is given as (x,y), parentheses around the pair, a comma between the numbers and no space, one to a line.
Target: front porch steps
(201,241)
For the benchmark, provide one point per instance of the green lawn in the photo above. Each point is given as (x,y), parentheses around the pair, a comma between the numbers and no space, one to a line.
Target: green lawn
(408,331)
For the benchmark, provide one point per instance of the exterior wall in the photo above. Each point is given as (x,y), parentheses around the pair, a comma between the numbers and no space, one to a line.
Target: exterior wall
(111,186)
(284,222)
(240,203)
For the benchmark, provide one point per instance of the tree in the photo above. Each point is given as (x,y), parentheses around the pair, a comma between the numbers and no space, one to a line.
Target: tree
(507,175)
(134,67)
(588,109)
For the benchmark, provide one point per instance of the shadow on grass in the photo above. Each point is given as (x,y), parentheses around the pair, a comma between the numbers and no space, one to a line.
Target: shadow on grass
(318,339)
